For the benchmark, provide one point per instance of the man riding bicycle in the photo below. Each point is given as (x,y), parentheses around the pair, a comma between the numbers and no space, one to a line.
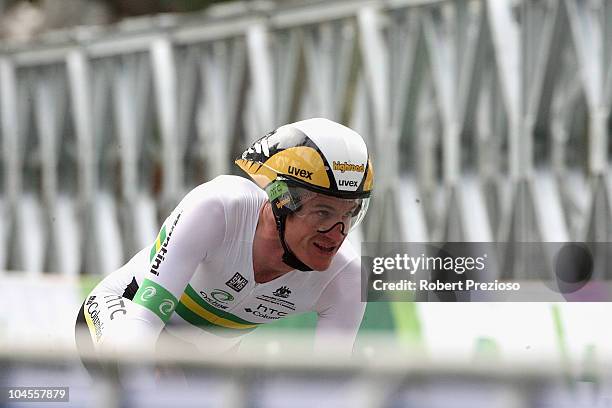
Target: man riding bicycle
(236,254)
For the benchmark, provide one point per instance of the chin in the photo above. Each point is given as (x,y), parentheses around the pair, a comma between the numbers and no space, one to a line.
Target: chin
(320,265)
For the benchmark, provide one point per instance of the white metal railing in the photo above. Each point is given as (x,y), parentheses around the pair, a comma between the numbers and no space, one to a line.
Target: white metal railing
(292,375)
(103,129)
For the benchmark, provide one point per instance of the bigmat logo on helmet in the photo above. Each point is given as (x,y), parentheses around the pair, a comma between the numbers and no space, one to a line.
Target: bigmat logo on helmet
(160,248)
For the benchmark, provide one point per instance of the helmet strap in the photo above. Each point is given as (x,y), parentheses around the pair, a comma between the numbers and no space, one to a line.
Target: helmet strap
(289,257)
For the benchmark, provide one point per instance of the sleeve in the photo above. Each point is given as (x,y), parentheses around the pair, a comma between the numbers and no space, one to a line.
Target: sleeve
(196,227)
(340,310)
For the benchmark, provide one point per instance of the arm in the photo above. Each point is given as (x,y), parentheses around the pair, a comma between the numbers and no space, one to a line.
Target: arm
(196,227)
(340,309)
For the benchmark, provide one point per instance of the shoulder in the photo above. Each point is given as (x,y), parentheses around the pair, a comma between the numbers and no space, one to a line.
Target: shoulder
(226,190)
(232,201)
(232,184)
(210,214)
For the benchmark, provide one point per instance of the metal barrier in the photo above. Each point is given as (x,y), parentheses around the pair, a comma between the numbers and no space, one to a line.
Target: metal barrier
(292,376)
(488,119)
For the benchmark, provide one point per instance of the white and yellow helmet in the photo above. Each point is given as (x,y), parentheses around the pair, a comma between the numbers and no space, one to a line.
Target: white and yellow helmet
(316,155)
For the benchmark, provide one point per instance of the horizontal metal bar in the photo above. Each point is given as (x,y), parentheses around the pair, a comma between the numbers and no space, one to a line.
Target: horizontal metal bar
(325,11)
(43,56)
(320,12)
(133,35)
(217,30)
(116,46)
(297,357)
(393,4)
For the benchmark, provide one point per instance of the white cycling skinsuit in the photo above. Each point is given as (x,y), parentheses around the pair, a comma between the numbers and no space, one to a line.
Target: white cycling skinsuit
(199,272)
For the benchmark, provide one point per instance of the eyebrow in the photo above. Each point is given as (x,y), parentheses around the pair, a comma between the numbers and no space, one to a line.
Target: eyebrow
(326,206)
(330,207)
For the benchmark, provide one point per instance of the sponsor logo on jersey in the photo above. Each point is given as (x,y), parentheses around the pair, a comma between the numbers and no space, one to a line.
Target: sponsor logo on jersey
(278,302)
(266,312)
(94,316)
(237,282)
(283,292)
(347,183)
(295,171)
(166,307)
(346,166)
(115,304)
(147,293)
(217,298)
(221,295)
(156,298)
(162,248)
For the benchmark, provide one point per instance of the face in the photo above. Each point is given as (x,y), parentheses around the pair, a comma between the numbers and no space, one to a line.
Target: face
(315,232)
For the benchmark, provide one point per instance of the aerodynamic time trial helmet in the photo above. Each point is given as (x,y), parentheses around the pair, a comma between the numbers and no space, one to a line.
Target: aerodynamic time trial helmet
(300,160)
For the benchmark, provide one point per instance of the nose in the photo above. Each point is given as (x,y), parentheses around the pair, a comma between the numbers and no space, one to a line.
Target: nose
(336,233)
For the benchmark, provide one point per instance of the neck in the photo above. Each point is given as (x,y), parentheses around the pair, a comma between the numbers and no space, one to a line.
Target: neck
(267,249)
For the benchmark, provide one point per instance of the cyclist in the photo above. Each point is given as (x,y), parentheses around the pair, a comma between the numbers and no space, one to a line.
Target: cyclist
(236,254)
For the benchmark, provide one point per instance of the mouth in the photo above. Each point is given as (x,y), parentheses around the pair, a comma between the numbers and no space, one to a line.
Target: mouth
(326,249)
